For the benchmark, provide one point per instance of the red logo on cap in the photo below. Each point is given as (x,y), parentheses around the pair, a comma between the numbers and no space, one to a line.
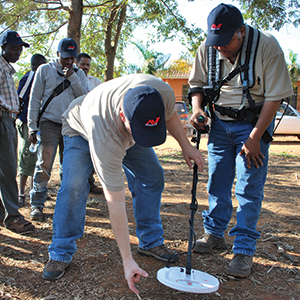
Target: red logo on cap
(216,27)
(17,35)
(152,122)
(71,47)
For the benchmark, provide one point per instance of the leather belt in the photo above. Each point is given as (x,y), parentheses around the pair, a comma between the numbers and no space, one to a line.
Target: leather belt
(7,114)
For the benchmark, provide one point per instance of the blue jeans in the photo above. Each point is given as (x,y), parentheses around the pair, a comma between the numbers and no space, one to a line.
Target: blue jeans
(224,145)
(51,138)
(145,181)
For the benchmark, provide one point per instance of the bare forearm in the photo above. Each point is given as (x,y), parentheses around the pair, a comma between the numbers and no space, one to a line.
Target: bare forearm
(197,99)
(119,222)
(175,127)
(189,152)
(266,116)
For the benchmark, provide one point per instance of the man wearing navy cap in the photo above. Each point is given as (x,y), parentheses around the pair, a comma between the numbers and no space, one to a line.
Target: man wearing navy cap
(11,48)
(113,129)
(47,78)
(242,108)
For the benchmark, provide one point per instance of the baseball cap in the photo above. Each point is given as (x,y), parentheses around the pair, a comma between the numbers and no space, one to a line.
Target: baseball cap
(222,22)
(144,108)
(13,38)
(67,48)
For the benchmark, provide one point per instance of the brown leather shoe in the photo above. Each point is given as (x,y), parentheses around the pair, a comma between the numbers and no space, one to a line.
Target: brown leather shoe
(20,225)
(161,252)
(96,190)
(240,265)
(208,242)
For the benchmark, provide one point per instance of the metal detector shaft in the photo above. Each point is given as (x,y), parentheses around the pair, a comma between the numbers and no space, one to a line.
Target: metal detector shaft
(194,204)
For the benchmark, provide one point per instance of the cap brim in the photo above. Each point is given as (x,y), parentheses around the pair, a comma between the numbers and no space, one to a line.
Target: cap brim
(20,44)
(222,39)
(149,137)
(66,54)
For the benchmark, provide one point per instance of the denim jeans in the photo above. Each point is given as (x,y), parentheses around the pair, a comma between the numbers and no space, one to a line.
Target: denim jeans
(145,181)
(51,138)
(224,145)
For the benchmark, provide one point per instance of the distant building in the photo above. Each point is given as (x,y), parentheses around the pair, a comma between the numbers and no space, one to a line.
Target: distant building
(178,81)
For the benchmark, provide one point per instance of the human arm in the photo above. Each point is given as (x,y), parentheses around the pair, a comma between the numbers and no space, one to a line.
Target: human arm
(35,99)
(251,148)
(78,81)
(174,126)
(119,223)
(196,101)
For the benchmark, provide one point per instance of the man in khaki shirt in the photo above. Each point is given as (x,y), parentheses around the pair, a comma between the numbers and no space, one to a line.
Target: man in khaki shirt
(235,146)
(113,128)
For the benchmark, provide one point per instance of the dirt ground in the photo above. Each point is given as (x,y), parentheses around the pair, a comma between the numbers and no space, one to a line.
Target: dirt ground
(96,271)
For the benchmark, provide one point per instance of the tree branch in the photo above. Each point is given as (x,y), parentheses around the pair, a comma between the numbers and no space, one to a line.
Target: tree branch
(49,32)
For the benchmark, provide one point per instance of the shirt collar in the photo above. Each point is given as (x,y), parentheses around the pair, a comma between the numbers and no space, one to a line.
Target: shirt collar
(7,65)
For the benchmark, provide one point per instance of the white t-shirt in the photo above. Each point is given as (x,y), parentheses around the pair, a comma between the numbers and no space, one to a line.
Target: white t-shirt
(92,81)
(96,117)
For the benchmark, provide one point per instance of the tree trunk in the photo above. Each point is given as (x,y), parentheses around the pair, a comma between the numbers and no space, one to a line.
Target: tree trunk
(117,15)
(75,20)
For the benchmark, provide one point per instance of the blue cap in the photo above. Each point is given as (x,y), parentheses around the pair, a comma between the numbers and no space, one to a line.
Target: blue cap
(67,48)
(144,108)
(222,22)
(13,38)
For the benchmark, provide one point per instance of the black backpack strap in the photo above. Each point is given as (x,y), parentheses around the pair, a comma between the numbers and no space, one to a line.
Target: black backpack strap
(58,90)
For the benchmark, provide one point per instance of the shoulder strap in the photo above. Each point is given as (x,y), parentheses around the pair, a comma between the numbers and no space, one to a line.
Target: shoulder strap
(214,66)
(248,54)
(58,90)
(247,58)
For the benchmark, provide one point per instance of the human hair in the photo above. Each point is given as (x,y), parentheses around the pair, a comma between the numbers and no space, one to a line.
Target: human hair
(240,28)
(37,60)
(80,55)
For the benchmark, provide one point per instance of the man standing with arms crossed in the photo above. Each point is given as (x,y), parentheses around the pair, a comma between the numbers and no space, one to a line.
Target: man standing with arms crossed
(11,48)
(241,129)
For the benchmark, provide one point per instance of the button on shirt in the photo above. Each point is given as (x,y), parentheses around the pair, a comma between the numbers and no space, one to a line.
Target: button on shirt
(9,99)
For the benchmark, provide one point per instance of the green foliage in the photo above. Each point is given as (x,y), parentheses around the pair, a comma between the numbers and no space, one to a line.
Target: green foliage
(271,14)
(43,23)
(152,60)
(294,68)
(40,21)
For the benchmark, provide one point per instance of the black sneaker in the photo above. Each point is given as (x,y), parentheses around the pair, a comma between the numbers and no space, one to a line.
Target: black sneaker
(240,265)
(208,242)
(160,252)
(54,269)
(36,213)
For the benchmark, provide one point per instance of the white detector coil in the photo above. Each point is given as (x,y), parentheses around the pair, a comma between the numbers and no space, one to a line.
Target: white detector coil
(196,282)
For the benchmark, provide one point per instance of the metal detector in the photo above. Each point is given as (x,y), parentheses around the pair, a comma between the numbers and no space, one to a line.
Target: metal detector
(187,279)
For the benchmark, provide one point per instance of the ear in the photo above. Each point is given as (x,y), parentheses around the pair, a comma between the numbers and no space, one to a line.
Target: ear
(243,31)
(57,53)
(122,115)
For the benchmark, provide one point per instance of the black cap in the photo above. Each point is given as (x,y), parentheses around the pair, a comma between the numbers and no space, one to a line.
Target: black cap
(222,22)
(67,48)
(13,38)
(144,108)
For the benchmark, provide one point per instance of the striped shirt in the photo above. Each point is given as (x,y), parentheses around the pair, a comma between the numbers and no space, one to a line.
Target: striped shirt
(9,99)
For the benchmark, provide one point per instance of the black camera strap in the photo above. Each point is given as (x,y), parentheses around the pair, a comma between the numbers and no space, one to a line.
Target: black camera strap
(58,90)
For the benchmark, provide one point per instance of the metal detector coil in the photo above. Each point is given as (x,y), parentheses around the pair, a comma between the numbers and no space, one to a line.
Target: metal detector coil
(188,279)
